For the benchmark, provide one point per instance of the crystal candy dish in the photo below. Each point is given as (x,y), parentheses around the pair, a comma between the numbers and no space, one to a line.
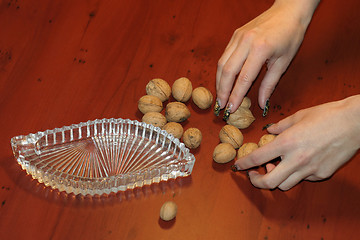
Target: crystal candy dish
(102,156)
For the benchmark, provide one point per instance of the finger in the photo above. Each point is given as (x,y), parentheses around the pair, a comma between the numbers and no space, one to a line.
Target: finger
(261,155)
(248,73)
(274,178)
(282,125)
(223,59)
(292,180)
(229,72)
(276,67)
(269,167)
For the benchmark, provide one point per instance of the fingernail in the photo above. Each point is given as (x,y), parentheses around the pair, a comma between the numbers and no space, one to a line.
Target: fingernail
(266,108)
(235,168)
(227,111)
(217,107)
(267,126)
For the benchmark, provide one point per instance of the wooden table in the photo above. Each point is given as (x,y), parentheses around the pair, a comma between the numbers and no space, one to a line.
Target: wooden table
(65,62)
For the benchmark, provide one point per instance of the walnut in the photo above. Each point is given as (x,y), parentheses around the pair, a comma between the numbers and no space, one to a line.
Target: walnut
(265,139)
(174,128)
(241,118)
(149,103)
(154,118)
(246,149)
(231,134)
(159,88)
(182,89)
(202,97)
(192,138)
(176,112)
(224,153)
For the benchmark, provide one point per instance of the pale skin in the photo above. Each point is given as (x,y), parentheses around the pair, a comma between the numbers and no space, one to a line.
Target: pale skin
(307,142)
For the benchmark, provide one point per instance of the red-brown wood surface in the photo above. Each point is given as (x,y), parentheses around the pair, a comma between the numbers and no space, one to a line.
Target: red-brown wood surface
(64,62)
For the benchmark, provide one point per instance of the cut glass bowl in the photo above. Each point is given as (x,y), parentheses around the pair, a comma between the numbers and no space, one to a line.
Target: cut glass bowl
(102,156)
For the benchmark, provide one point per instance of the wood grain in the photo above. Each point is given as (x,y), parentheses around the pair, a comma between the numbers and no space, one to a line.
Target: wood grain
(64,62)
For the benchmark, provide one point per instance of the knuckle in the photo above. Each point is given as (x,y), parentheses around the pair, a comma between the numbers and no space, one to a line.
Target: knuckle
(221,63)
(228,70)
(244,79)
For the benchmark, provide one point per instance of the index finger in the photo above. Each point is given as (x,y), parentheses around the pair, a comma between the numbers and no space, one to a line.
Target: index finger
(260,156)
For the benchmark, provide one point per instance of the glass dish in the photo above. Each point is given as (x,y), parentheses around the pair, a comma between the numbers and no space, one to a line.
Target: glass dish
(102,156)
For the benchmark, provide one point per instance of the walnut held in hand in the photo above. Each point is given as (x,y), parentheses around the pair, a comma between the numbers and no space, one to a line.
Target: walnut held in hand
(241,118)
(149,103)
(176,112)
(159,88)
(231,134)
(154,118)
(246,149)
(168,211)
(223,153)
(265,139)
(182,89)
(174,128)
(192,138)
(202,97)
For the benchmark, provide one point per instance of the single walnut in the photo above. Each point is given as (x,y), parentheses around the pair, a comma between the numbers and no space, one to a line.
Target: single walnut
(168,211)
(176,112)
(174,128)
(231,134)
(202,97)
(182,89)
(241,118)
(246,149)
(159,88)
(246,102)
(192,138)
(154,118)
(223,153)
(265,139)
(149,103)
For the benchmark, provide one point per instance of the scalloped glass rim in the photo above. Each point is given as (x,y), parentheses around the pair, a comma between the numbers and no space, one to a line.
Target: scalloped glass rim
(102,156)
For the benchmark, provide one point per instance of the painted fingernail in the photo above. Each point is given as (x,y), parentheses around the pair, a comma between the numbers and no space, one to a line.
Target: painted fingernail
(235,168)
(266,108)
(217,107)
(267,126)
(227,112)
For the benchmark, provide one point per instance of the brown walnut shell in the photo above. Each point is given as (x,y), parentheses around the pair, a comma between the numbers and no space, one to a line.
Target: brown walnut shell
(231,134)
(182,89)
(154,118)
(202,97)
(241,118)
(174,128)
(224,153)
(176,112)
(192,138)
(149,103)
(159,88)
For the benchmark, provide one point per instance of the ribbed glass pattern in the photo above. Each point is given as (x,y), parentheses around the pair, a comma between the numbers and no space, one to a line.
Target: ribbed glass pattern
(102,156)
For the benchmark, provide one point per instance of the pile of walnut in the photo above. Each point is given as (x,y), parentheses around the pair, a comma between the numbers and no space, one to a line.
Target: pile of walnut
(231,138)
(158,92)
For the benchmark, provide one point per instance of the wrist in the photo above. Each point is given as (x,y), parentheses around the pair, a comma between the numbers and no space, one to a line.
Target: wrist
(303,10)
(352,114)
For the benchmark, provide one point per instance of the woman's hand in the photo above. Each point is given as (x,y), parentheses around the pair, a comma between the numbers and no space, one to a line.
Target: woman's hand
(313,143)
(272,38)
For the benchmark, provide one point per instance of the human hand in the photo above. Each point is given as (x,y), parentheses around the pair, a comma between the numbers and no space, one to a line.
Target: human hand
(313,143)
(272,38)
